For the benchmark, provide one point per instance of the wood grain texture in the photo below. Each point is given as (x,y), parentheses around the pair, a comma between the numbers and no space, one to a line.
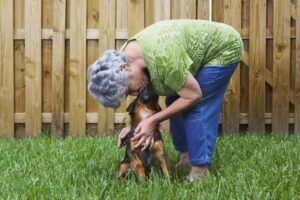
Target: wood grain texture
(107,28)
(46,75)
(231,109)
(203,9)
(92,56)
(78,20)
(281,67)
(149,12)
(183,9)
(19,68)
(47,22)
(33,66)
(218,10)
(257,63)
(135,16)
(58,67)
(6,69)
(92,104)
(297,73)
(162,10)
(188,9)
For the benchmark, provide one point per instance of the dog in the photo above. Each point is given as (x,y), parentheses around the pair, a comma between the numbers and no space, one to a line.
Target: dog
(145,105)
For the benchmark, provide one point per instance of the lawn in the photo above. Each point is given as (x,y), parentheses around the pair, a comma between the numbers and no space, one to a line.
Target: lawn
(245,167)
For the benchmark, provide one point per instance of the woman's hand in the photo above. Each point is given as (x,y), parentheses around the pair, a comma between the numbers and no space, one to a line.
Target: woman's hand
(122,136)
(144,133)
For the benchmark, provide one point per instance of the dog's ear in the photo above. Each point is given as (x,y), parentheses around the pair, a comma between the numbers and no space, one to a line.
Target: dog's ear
(157,108)
(131,106)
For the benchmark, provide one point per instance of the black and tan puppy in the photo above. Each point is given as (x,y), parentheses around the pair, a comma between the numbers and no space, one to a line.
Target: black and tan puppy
(142,107)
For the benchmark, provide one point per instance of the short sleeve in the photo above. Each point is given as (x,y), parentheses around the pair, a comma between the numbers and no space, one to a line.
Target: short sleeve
(173,64)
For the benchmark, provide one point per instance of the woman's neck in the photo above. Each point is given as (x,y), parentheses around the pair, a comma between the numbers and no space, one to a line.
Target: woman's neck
(134,52)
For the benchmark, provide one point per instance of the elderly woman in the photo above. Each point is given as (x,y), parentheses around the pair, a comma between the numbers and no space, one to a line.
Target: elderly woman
(190,62)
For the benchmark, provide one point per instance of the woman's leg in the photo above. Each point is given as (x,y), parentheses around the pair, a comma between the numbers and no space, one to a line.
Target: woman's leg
(201,121)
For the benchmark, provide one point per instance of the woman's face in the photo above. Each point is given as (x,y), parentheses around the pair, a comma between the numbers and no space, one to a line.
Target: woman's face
(137,81)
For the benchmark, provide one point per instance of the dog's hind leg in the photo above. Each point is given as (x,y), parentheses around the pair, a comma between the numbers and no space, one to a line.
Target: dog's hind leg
(123,169)
(137,164)
(158,150)
(124,166)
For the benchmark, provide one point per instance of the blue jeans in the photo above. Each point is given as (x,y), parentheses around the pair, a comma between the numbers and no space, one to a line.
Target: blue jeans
(196,130)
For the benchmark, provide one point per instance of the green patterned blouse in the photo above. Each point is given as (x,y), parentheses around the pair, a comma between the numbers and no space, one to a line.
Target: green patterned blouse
(173,48)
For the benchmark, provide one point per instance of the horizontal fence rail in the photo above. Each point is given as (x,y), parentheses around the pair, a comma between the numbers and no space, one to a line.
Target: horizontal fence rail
(47,45)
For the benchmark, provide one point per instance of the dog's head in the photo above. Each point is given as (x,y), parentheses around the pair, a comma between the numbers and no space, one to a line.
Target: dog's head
(145,105)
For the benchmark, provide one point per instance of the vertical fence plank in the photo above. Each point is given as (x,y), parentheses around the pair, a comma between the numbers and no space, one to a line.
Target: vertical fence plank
(297,73)
(92,56)
(203,9)
(58,67)
(149,12)
(217,10)
(188,9)
(121,24)
(19,67)
(78,67)
(107,31)
(135,16)
(175,9)
(183,9)
(232,16)
(47,23)
(281,67)
(257,63)
(244,106)
(162,10)
(6,69)
(136,21)
(19,84)
(33,66)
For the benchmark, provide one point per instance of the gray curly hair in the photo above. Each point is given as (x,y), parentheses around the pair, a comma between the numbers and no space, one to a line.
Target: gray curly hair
(107,81)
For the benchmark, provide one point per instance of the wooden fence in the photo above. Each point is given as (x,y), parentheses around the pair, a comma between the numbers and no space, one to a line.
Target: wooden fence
(47,45)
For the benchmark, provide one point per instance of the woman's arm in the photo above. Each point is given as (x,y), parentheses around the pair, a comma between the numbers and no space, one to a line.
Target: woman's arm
(188,96)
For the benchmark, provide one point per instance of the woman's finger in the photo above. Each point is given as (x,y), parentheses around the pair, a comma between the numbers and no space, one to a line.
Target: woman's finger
(137,130)
(140,142)
(147,143)
(152,143)
(123,134)
(137,136)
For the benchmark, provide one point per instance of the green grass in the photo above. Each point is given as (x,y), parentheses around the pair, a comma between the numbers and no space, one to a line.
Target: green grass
(245,167)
